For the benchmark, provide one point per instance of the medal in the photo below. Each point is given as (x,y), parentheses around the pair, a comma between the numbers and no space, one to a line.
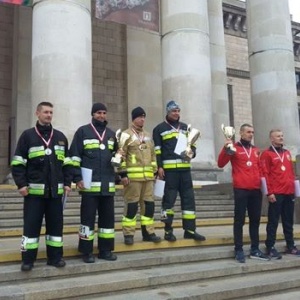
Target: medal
(100,137)
(249,163)
(142,145)
(48,151)
(283,168)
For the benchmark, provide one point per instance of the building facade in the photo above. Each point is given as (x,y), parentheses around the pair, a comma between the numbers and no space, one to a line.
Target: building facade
(59,52)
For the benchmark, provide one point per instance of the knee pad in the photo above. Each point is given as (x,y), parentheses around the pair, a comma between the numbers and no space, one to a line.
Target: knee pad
(149,209)
(131,210)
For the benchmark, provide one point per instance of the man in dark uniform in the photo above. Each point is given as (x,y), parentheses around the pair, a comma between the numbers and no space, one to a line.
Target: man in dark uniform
(177,174)
(92,148)
(42,172)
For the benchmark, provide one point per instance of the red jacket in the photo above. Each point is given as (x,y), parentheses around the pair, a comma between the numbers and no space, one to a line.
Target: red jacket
(244,176)
(278,181)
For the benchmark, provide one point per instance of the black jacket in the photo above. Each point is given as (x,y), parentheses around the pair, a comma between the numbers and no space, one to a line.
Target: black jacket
(45,175)
(85,152)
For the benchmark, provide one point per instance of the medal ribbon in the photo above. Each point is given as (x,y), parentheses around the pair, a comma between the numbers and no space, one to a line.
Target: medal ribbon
(281,158)
(47,143)
(140,138)
(248,154)
(100,137)
(176,129)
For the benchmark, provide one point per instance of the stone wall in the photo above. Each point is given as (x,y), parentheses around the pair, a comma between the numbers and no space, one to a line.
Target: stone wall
(6,50)
(109,70)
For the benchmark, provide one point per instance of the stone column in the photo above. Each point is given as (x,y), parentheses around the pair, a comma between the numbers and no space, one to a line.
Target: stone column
(186,72)
(218,71)
(62,60)
(272,70)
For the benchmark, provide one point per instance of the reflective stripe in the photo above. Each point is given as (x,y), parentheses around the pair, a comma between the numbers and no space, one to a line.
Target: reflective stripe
(54,241)
(95,187)
(140,175)
(111,187)
(170,212)
(110,144)
(18,160)
(36,188)
(106,233)
(158,151)
(128,222)
(76,161)
(188,215)
(91,144)
(170,136)
(60,189)
(59,148)
(36,152)
(146,220)
(175,163)
(68,162)
(29,243)
(85,233)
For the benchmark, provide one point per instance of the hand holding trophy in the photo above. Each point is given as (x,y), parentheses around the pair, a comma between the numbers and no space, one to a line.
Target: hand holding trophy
(229,132)
(121,137)
(193,135)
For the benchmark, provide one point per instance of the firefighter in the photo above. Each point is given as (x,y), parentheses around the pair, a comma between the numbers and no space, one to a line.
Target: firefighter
(92,148)
(137,175)
(42,171)
(177,174)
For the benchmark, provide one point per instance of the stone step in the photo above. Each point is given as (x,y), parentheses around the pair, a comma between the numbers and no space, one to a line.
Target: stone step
(18,206)
(215,235)
(206,273)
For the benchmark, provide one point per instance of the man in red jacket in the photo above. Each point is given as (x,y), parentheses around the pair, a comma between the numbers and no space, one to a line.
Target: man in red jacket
(278,170)
(246,186)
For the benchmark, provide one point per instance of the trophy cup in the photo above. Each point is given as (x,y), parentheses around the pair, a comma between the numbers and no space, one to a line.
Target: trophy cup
(192,136)
(121,137)
(229,132)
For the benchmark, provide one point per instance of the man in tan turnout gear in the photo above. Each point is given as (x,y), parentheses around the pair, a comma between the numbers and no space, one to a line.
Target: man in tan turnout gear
(137,173)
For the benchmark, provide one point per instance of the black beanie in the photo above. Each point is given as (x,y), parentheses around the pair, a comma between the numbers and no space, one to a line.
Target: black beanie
(98,106)
(137,112)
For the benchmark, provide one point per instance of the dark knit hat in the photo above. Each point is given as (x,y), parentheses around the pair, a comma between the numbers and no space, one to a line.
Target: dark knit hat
(137,112)
(98,106)
(172,105)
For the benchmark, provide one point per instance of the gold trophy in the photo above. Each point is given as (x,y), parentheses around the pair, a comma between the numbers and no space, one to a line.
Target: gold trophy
(193,135)
(121,137)
(229,132)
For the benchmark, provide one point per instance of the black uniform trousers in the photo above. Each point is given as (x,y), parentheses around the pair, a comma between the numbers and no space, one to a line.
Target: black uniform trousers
(251,201)
(284,207)
(179,181)
(34,210)
(106,219)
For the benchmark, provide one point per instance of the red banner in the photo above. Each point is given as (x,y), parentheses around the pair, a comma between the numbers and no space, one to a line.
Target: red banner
(17,2)
(139,13)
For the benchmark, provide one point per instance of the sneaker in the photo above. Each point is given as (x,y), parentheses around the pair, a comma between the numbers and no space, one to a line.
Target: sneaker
(257,254)
(240,256)
(107,255)
(26,267)
(128,240)
(57,264)
(273,253)
(169,236)
(88,258)
(152,238)
(293,251)
(193,235)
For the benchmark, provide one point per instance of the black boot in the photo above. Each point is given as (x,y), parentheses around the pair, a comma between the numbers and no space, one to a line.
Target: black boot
(193,235)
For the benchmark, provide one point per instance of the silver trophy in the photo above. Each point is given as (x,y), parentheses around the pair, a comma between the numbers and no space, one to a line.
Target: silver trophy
(193,135)
(229,132)
(122,138)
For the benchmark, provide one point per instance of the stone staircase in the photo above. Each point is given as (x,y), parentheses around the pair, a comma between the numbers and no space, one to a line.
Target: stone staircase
(182,270)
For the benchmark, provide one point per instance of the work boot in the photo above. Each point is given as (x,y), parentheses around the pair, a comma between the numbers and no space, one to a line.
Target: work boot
(193,235)
(56,263)
(152,238)
(26,267)
(169,236)
(128,240)
(88,258)
(107,255)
